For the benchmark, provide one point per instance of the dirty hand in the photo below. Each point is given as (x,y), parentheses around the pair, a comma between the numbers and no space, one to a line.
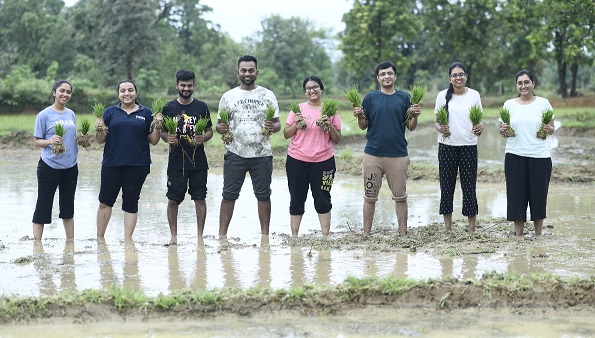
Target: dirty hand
(414,110)
(478,129)
(222,128)
(172,139)
(358,112)
(269,126)
(198,138)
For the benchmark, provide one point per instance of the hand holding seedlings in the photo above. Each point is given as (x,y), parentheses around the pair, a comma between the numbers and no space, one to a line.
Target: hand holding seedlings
(157,108)
(476,115)
(442,116)
(546,118)
(352,95)
(506,129)
(97,110)
(226,134)
(329,108)
(299,119)
(83,138)
(58,147)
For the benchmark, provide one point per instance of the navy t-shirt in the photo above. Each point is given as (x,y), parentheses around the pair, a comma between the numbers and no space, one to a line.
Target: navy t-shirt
(185,155)
(387,116)
(127,140)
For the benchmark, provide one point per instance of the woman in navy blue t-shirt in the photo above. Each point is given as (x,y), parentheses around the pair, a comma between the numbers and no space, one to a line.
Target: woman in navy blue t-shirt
(126,156)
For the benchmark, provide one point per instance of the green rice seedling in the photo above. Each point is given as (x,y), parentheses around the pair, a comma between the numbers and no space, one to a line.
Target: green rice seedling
(476,115)
(295,108)
(97,111)
(83,138)
(352,95)
(504,114)
(546,118)
(169,125)
(224,116)
(418,94)
(157,108)
(269,115)
(329,108)
(443,119)
(199,128)
(58,148)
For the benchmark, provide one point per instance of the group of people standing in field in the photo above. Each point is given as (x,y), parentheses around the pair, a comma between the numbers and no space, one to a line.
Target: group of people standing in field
(126,130)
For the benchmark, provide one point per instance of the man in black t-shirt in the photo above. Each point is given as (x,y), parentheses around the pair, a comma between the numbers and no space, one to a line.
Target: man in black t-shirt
(187,167)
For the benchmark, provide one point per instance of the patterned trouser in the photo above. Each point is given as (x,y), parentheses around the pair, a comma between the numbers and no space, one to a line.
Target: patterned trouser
(461,160)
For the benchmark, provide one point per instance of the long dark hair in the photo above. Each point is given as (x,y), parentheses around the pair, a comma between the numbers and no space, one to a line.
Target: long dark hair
(56,85)
(531,77)
(135,89)
(451,89)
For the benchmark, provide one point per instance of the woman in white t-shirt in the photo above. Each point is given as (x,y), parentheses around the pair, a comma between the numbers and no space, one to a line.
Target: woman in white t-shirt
(310,157)
(527,163)
(457,153)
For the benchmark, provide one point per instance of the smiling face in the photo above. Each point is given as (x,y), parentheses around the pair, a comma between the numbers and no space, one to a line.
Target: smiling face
(247,73)
(386,77)
(313,91)
(127,93)
(524,85)
(457,77)
(62,94)
(185,88)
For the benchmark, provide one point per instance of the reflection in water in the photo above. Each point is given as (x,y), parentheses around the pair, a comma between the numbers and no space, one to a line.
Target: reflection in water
(43,266)
(67,273)
(176,280)
(264,262)
(296,266)
(131,280)
(323,267)
(460,268)
(106,268)
(200,271)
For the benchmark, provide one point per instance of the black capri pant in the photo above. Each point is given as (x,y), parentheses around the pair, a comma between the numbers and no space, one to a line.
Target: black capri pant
(318,176)
(527,182)
(48,180)
(128,178)
(461,160)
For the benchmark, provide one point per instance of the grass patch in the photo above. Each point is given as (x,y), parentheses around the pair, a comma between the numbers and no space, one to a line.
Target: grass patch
(493,289)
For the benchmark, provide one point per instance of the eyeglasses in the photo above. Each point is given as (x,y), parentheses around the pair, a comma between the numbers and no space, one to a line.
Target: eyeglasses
(521,83)
(312,89)
(383,74)
(454,76)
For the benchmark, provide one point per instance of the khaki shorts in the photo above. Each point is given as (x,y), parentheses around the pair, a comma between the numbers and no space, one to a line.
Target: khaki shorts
(396,171)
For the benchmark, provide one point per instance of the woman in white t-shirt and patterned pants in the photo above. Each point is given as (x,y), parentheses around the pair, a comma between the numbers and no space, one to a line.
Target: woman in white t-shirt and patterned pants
(457,153)
(527,163)
(310,157)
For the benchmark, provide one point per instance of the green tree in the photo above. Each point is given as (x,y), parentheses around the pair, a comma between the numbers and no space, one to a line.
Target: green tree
(375,31)
(31,32)
(293,50)
(566,35)
(128,36)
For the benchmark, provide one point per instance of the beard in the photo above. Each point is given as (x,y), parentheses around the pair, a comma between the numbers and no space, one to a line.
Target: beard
(248,81)
(186,94)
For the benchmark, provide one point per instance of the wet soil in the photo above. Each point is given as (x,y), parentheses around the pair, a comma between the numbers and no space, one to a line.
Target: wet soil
(507,293)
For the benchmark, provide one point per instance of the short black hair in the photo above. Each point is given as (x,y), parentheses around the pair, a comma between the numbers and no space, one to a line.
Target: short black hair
(384,65)
(248,58)
(315,79)
(185,75)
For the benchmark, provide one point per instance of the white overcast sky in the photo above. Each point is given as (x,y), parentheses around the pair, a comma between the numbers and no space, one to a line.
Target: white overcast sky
(242,18)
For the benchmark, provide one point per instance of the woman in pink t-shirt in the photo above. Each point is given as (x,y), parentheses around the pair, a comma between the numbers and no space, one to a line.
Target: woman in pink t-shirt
(310,157)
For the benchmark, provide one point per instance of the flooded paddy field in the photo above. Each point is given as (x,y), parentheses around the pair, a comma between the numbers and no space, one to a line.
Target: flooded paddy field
(246,259)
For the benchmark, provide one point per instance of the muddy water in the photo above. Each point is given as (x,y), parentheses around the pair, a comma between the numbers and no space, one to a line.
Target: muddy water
(248,259)
(373,323)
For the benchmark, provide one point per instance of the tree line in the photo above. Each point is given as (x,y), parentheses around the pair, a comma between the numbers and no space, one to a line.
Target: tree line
(96,43)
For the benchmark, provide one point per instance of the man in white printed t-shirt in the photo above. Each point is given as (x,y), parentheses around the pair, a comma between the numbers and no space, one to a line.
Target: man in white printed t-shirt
(249,148)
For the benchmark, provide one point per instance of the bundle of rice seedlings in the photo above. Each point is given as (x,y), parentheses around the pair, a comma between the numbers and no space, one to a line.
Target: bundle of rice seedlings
(80,139)
(475,115)
(352,95)
(295,108)
(443,119)
(169,125)
(269,115)
(329,108)
(505,117)
(199,128)
(157,108)
(228,136)
(546,118)
(418,94)
(97,110)
(59,148)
